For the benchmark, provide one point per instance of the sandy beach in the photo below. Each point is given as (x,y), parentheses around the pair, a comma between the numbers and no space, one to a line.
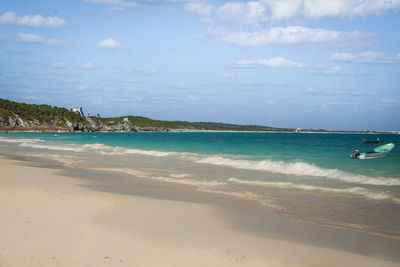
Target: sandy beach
(51,218)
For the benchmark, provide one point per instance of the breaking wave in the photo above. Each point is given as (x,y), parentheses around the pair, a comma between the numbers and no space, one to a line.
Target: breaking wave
(102,148)
(280,167)
(201,184)
(299,168)
(110,150)
(179,175)
(38,143)
(352,190)
(18,140)
(52,146)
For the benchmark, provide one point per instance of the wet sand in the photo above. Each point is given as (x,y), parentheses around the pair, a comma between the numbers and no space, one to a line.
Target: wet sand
(53,215)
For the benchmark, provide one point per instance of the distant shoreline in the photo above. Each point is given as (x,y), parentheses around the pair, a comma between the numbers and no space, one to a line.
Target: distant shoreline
(21,117)
(201,131)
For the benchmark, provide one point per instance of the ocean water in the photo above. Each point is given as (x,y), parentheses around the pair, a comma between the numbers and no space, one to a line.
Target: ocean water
(310,177)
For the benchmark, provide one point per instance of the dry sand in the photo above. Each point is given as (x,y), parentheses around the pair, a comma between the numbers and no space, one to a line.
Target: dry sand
(47,219)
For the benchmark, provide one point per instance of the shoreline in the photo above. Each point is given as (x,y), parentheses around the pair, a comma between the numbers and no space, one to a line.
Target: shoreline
(254,226)
(199,131)
(278,209)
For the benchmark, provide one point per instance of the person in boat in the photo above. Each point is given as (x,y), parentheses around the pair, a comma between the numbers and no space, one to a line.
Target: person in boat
(356,153)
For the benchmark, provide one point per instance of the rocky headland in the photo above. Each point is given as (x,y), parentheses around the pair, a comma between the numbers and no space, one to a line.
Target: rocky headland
(18,117)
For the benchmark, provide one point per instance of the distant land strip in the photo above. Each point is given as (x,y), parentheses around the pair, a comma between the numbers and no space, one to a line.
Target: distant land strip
(21,117)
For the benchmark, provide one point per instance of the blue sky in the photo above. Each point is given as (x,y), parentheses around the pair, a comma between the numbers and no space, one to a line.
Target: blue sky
(290,63)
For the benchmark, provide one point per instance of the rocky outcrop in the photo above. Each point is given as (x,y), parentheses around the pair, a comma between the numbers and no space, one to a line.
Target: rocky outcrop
(88,125)
(126,126)
(15,123)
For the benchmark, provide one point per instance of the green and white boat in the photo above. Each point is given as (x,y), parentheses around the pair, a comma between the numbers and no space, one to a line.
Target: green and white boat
(377,152)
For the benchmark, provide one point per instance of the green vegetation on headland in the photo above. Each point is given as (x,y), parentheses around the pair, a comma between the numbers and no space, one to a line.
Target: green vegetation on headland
(146,122)
(39,114)
(16,116)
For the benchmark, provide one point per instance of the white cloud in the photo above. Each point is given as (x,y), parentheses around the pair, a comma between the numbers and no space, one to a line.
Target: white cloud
(283,10)
(251,13)
(389,100)
(369,57)
(31,21)
(313,91)
(192,97)
(146,72)
(290,35)
(87,66)
(30,38)
(36,39)
(336,92)
(108,43)
(120,5)
(274,62)
(59,65)
(54,42)
(357,92)
(281,62)
(30,97)
(109,89)
(203,10)
(82,87)
(272,11)
(316,9)
(115,4)
(336,70)
(339,103)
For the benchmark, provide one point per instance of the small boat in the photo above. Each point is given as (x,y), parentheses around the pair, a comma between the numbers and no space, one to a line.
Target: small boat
(377,152)
(371,141)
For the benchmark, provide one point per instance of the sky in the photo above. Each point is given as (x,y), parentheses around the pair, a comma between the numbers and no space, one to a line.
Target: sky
(316,64)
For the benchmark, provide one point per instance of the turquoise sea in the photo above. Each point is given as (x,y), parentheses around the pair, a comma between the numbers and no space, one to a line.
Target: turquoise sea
(309,177)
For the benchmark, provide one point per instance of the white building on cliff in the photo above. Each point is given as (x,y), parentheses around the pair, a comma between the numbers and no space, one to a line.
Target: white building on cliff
(78,110)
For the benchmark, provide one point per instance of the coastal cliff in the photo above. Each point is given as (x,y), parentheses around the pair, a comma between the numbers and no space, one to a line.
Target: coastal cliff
(16,116)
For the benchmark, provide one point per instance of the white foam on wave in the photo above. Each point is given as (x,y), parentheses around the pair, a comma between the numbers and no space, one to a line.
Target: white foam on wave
(53,146)
(203,186)
(140,174)
(352,190)
(243,195)
(102,148)
(179,175)
(129,171)
(18,140)
(299,168)
(96,146)
(38,143)
(110,150)
(148,152)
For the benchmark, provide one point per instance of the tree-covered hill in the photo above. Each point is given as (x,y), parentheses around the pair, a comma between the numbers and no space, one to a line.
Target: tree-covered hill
(41,115)
(146,122)
(21,116)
